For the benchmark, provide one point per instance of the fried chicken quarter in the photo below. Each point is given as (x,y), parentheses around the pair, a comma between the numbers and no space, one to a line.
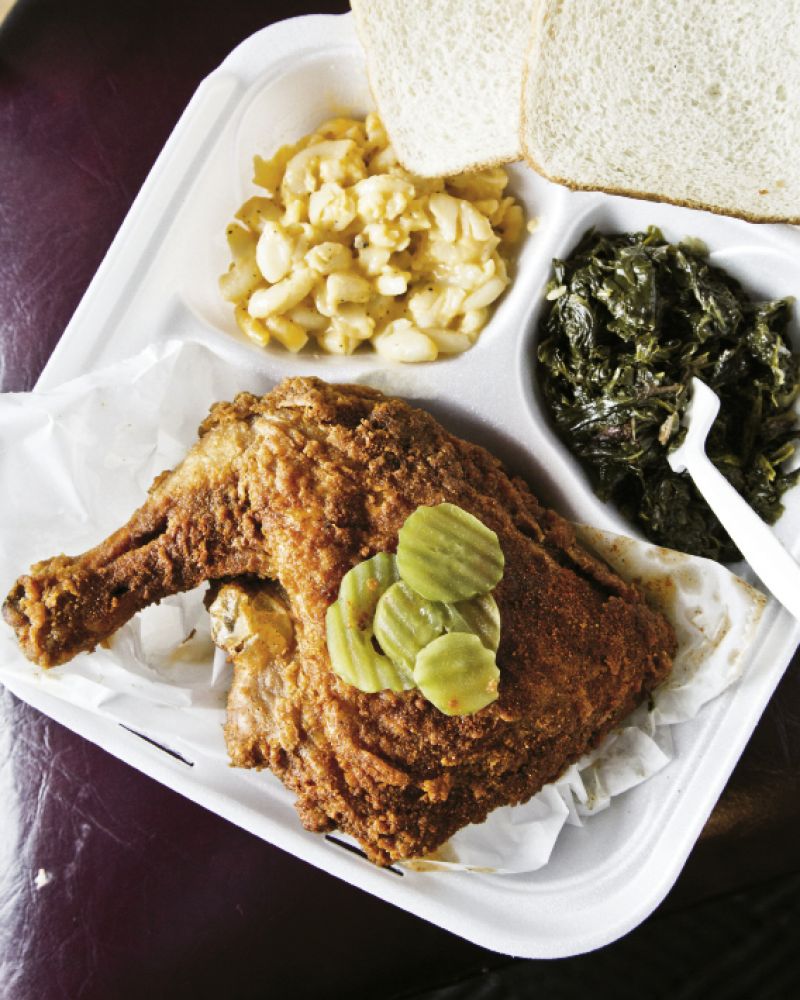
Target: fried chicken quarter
(288,492)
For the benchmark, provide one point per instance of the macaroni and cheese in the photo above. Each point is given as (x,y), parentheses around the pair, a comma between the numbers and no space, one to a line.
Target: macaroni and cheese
(346,247)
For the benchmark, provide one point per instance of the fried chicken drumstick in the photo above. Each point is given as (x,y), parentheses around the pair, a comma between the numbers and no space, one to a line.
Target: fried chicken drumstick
(286,493)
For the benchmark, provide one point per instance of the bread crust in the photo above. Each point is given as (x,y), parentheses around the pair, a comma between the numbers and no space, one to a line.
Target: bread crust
(792,220)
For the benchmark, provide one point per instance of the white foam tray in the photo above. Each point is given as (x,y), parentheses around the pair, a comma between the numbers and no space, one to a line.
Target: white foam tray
(159,281)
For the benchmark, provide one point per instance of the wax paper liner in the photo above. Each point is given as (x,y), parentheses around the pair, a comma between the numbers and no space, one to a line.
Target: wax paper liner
(76,461)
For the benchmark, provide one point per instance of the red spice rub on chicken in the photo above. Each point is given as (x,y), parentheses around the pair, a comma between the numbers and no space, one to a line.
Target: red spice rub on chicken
(286,493)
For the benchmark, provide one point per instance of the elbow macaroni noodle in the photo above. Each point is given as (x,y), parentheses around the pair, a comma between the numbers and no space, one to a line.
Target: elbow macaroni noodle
(346,247)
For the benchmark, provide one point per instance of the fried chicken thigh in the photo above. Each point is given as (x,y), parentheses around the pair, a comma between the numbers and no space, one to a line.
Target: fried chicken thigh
(286,493)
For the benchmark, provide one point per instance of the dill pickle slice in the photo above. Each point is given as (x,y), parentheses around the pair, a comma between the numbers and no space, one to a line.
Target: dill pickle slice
(348,624)
(406,622)
(457,674)
(479,615)
(447,554)
(364,585)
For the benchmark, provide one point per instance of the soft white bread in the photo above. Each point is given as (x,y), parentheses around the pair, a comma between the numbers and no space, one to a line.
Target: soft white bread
(447,78)
(691,102)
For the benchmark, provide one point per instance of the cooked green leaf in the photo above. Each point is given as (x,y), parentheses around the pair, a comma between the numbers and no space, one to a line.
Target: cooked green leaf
(631,319)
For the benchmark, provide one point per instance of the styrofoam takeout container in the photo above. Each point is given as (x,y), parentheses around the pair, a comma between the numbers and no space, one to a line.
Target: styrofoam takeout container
(159,282)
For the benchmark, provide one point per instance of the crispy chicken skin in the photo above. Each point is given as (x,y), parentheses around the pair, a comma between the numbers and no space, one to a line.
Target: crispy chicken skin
(287,492)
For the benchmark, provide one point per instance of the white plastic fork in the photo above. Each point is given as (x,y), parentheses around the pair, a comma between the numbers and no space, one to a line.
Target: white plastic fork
(776,569)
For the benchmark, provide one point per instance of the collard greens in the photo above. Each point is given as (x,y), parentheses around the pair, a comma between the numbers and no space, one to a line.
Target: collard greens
(631,319)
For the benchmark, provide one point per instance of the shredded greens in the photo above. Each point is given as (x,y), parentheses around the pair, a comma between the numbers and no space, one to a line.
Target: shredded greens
(631,319)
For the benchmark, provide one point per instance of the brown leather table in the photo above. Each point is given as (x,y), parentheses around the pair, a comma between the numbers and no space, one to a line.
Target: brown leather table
(151,895)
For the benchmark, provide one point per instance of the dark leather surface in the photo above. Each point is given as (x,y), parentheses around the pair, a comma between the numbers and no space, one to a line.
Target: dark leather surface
(151,895)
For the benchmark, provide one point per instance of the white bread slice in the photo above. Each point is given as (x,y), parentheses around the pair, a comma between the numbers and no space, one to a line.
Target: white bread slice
(446,76)
(692,102)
